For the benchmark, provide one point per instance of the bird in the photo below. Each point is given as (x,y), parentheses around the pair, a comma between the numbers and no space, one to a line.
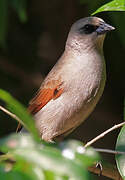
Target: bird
(73,87)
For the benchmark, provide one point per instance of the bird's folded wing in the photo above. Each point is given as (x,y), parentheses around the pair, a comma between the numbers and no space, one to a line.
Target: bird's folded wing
(43,96)
(51,90)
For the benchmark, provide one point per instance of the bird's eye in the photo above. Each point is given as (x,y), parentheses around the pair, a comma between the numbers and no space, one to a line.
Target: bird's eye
(88,29)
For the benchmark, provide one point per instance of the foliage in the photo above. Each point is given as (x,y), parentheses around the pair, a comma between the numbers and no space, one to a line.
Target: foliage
(120,158)
(25,156)
(118,5)
(33,159)
(15,107)
(115,5)
(120,146)
(20,8)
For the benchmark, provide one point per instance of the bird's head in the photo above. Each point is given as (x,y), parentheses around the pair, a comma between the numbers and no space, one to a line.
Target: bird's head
(88,32)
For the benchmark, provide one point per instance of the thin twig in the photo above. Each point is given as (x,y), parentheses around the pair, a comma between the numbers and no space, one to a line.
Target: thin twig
(109,151)
(103,134)
(10,114)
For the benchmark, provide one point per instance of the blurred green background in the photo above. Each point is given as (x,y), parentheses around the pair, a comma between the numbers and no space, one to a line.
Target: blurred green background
(32,38)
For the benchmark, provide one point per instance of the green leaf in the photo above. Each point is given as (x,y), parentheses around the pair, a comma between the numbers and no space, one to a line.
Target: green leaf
(124,110)
(120,146)
(85,156)
(20,170)
(15,107)
(48,158)
(3,21)
(115,5)
(20,7)
(34,172)
(49,175)
(12,175)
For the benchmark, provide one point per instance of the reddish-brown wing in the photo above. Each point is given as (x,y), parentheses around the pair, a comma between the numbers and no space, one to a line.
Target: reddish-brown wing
(51,91)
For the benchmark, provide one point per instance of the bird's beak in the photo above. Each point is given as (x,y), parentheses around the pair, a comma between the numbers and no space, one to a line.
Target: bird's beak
(104,28)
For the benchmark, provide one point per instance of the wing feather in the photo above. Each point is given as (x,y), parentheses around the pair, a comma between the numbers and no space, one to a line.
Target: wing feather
(51,90)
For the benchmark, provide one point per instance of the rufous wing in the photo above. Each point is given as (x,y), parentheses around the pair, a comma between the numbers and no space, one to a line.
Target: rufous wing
(51,90)
(43,96)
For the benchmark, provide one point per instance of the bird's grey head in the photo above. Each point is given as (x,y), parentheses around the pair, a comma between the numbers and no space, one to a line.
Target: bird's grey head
(89,31)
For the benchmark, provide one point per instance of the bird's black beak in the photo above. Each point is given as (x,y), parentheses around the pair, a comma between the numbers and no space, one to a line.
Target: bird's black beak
(104,28)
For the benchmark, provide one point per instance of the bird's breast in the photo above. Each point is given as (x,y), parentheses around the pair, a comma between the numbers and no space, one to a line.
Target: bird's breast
(84,77)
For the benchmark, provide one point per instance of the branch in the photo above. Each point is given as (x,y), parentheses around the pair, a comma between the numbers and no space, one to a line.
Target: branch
(107,171)
(109,151)
(103,134)
(10,114)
